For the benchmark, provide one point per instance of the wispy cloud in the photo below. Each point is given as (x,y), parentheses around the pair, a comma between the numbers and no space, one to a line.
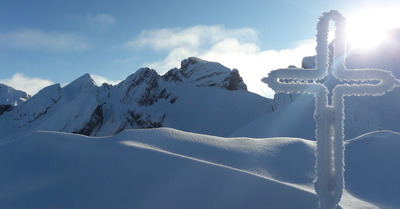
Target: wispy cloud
(234,48)
(28,84)
(100,21)
(34,39)
(100,80)
(192,37)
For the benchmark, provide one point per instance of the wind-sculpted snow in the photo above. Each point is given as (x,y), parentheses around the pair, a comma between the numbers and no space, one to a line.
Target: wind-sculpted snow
(380,172)
(330,117)
(167,168)
(157,168)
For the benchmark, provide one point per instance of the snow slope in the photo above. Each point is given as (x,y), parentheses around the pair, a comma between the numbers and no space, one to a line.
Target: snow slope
(292,116)
(373,168)
(167,168)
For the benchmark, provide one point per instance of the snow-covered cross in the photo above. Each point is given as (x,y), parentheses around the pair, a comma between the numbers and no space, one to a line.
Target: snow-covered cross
(330,117)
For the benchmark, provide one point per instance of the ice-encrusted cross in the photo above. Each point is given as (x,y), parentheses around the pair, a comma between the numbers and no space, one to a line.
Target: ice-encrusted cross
(330,117)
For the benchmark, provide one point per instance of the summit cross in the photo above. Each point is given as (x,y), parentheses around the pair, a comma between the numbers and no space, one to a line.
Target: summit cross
(329,118)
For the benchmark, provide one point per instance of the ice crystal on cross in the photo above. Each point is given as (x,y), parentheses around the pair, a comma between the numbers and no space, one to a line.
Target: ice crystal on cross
(330,117)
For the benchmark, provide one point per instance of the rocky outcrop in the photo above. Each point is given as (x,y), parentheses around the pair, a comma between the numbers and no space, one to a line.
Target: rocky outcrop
(4,108)
(94,123)
(140,119)
(234,81)
(204,73)
(145,87)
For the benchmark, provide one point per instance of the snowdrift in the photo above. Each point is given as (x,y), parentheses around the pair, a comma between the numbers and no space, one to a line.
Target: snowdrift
(167,168)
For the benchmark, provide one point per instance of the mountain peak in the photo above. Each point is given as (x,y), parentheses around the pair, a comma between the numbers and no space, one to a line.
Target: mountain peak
(186,63)
(82,83)
(11,96)
(205,73)
(143,75)
(84,79)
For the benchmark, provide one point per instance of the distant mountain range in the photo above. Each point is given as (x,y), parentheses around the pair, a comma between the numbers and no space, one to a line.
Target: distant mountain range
(201,97)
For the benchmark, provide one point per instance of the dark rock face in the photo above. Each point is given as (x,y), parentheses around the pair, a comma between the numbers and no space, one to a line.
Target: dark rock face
(234,81)
(95,121)
(4,108)
(145,88)
(144,120)
(144,78)
(174,75)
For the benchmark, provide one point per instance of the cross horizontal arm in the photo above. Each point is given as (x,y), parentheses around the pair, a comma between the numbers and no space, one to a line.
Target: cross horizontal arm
(274,80)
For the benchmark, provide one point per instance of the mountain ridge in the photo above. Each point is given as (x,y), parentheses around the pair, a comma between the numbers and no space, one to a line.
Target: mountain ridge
(144,99)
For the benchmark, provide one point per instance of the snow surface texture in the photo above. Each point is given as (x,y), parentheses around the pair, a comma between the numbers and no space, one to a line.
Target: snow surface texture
(330,117)
(167,168)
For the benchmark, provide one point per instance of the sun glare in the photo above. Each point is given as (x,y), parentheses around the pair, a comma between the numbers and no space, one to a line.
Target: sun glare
(366,30)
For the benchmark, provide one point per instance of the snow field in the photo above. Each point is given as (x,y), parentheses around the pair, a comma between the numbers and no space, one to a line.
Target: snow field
(167,168)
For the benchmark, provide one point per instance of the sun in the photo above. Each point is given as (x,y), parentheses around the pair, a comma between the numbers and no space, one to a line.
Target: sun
(367,29)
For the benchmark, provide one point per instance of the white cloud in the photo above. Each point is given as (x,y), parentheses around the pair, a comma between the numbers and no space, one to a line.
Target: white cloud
(100,80)
(100,21)
(234,48)
(30,85)
(40,40)
(192,37)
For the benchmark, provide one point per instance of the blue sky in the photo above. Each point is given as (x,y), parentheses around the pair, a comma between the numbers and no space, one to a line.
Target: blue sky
(56,41)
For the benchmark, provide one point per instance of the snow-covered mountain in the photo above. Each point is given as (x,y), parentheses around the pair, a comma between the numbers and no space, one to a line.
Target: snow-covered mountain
(201,96)
(10,97)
